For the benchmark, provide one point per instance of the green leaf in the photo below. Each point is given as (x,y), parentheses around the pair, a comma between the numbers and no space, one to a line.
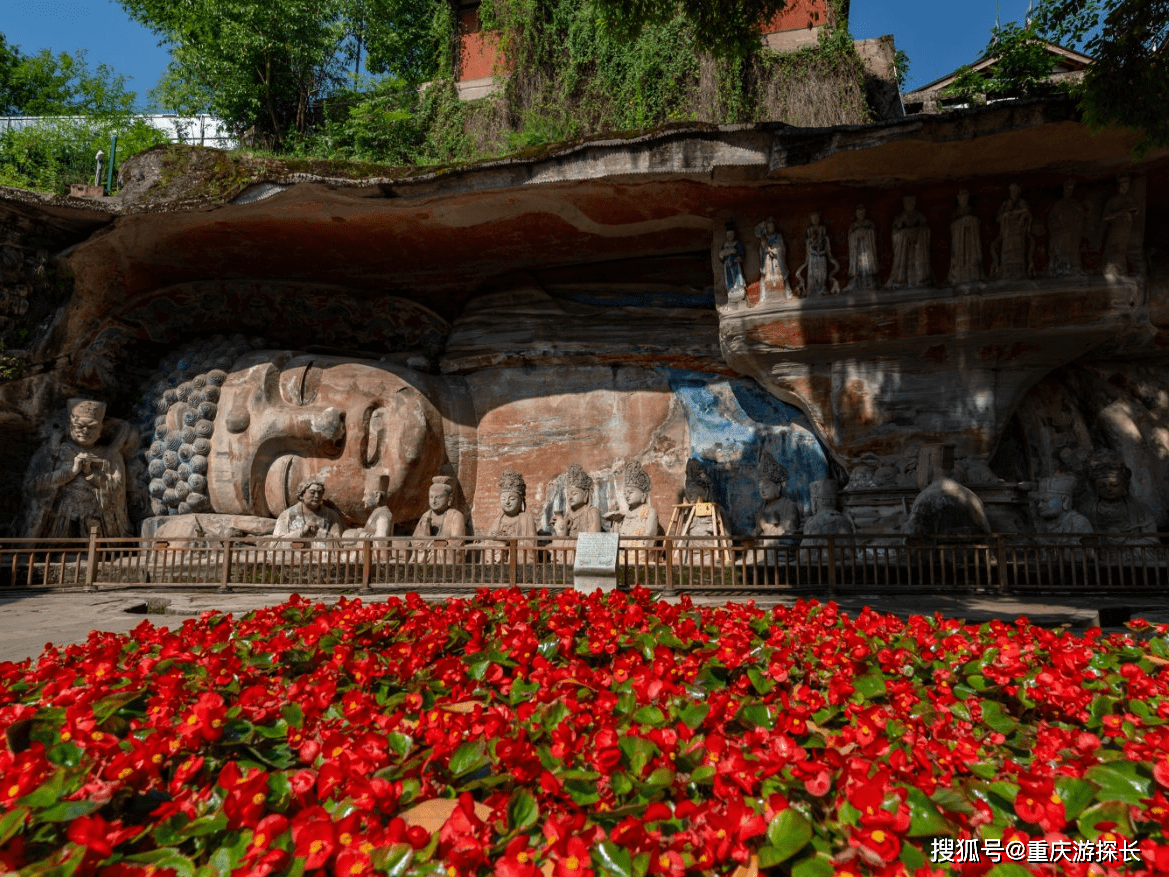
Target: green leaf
(477,666)
(166,858)
(813,866)
(554,715)
(521,691)
(995,719)
(1109,812)
(1120,781)
(759,682)
(924,818)
(205,825)
(612,859)
(870,686)
(394,860)
(757,715)
(411,786)
(984,770)
(1075,794)
(693,715)
(469,757)
(650,715)
(703,774)
(47,793)
(979,682)
(660,778)
(961,712)
(1009,869)
(622,784)
(293,714)
(911,857)
(107,706)
(12,822)
(638,751)
(787,834)
(522,810)
(952,801)
(67,811)
(400,743)
(582,792)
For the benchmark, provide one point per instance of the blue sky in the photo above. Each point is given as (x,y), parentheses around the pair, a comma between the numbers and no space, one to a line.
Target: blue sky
(938,36)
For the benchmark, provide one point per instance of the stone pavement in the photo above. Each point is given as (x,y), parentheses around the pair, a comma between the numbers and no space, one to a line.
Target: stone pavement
(29,620)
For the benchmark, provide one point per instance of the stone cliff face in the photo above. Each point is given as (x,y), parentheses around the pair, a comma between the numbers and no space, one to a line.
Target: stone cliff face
(572,307)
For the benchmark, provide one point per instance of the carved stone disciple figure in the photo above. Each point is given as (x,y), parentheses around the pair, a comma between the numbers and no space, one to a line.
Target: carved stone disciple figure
(1065,229)
(965,243)
(380,522)
(580,516)
(642,518)
(309,519)
(862,252)
(817,257)
(1112,510)
(731,257)
(1119,216)
(440,521)
(911,248)
(826,520)
(773,274)
(1012,251)
(77,480)
(514,521)
(779,515)
(1053,507)
(943,507)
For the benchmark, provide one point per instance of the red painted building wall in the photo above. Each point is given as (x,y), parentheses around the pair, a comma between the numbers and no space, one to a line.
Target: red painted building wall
(478,50)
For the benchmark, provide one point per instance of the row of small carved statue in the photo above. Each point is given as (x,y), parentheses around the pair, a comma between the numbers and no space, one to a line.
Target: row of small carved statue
(1012,251)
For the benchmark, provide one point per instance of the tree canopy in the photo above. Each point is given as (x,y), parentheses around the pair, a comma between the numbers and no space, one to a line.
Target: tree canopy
(45,84)
(263,64)
(1128,82)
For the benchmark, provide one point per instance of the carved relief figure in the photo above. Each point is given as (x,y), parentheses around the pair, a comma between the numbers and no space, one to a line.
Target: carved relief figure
(1013,250)
(911,248)
(1112,510)
(1053,507)
(965,243)
(514,520)
(580,516)
(731,257)
(77,480)
(943,507)
(772,261)
(1065,225)
(817,257)
(827,519)
(440,521)
(283,417)
(309,519)
(1119,216)
(779,515)
(862,252)
(642,519)
(380,522)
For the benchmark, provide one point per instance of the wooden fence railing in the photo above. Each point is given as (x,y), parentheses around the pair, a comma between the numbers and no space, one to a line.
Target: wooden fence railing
(1006,563)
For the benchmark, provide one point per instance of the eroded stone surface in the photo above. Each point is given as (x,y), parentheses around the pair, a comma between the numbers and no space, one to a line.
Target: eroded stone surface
(613,239)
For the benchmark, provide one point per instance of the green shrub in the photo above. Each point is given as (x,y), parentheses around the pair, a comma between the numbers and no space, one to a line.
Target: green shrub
(59,152)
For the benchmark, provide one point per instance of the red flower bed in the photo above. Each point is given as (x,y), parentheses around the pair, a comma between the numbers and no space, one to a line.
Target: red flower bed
(520,734)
